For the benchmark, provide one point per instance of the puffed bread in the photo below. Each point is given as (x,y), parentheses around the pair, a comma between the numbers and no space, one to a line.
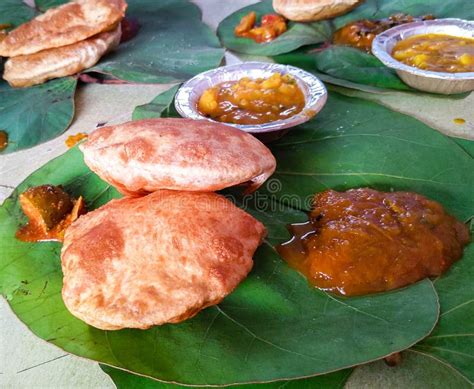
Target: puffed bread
(28,70)
(139,262)
(64,25)
(143,156)
(313,10)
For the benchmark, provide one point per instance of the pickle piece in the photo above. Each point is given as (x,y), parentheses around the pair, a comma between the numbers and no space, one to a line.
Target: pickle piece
(46,205)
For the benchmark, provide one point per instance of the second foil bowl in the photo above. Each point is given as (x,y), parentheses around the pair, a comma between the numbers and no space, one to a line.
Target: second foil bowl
(435,82)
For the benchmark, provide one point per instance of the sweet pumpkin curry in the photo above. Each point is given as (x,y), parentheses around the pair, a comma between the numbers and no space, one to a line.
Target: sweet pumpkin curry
(364,241)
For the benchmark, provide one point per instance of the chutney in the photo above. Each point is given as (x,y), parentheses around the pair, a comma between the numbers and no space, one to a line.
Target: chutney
(364,241)
(271,26)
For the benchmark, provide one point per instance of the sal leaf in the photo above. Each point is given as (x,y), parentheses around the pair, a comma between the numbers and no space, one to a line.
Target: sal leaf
(35,115)
(172,44)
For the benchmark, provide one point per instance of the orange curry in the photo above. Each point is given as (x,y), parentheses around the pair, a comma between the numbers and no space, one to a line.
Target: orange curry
(436,52)
(253,101)
(364,241)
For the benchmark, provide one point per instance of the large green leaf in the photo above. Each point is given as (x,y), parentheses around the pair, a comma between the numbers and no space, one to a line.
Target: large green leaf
(124,380)
(274,326)
(297,35)
(15,12)
(34,115)
(172,44)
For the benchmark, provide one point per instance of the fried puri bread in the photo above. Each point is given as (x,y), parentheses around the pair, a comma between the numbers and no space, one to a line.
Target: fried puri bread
(139,262)
(28,70)
(313,10)
(63,25)
(143,156)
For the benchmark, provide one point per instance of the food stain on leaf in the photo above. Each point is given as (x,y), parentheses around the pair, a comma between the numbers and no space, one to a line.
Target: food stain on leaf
(73,140)
(3,140)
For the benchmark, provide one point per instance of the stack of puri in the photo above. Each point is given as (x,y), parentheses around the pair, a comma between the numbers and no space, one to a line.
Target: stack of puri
(171,246)
(63,41)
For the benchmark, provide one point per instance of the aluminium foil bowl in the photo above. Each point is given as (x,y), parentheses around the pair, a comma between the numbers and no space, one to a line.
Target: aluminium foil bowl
(314,91)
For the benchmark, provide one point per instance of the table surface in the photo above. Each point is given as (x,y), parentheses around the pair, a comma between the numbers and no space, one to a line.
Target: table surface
(29,362)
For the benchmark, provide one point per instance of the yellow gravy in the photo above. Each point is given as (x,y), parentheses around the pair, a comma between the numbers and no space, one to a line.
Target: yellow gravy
(436,53)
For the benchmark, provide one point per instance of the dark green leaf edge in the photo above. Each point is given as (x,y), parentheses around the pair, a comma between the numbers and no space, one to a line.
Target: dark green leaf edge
(13,145)
(124,380)
(161,105)
(454,371)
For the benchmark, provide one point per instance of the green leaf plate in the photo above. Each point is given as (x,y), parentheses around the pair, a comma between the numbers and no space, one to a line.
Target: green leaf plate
(274,326)
(31,116)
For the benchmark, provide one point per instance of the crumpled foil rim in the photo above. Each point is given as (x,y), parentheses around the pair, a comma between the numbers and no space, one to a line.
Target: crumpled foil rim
(383,44)
(314,91)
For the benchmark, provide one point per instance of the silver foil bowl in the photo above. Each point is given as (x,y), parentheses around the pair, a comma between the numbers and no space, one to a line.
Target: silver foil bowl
(435,82)
(314,91)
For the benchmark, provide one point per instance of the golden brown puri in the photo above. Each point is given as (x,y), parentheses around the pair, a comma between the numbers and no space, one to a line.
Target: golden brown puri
(28,70)
(143,156)
(139,262)
(312,10)
(63,25)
